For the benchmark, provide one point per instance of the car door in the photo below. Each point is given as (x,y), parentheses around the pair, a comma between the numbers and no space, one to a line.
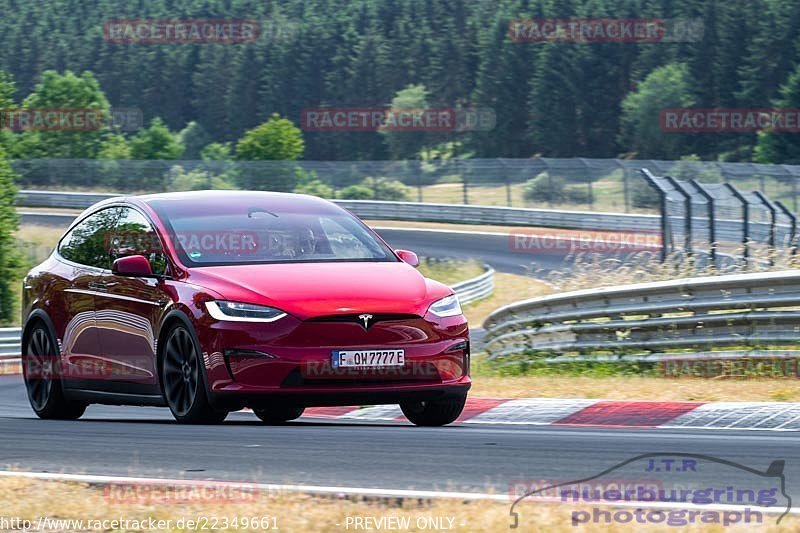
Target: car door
(129,309)
(83,252)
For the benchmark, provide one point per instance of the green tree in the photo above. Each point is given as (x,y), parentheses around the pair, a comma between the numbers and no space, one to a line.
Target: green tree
(156,142)
(67,92)
(113,149)
(10,262)
(666,87)
(782,147)
(279,140)
(114,146)
(7,91)
(407,144)
(216,152)
(193,138)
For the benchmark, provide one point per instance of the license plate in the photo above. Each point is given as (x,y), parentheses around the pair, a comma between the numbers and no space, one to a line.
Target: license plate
(368,358)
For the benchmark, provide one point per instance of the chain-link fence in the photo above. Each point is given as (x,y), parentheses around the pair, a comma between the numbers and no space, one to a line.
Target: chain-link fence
(719,224)
(608,185)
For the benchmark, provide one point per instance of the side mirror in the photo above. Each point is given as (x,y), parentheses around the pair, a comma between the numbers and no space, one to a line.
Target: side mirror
(408,257)
(135,266)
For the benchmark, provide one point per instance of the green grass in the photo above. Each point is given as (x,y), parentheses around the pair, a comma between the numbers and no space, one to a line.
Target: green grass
(532,364)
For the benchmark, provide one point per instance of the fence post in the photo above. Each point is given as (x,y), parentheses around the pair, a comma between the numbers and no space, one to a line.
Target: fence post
(418,173)
(504,170)
(772,220)
(792,177)
(746,216)
(792,225)
(687,222)
(464,182)
(589,189)
(712,229)
(625,191)
(662,195)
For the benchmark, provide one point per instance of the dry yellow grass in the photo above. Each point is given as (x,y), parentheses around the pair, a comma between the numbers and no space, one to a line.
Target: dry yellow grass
(450,272)
(508,288)
(7,369)
(26,499)
(637,388)
(40,235)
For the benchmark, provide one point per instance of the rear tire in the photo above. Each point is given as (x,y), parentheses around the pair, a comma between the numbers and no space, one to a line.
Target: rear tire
(434,412)
(183,379)
(41,364)
(279,414)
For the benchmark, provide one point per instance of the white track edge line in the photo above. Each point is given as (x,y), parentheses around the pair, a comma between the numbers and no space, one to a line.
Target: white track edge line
(264,487)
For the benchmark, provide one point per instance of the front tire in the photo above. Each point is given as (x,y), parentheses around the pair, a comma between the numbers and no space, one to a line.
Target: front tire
(279,414)
(41,362)
(183,380)
(434,412)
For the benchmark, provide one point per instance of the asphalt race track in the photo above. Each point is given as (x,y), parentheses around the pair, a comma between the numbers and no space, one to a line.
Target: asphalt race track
(491,248)
(127,441)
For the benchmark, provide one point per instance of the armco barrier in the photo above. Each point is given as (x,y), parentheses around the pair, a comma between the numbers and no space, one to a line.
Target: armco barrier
(410,211)
(746,310)
(476,288)
(10,343)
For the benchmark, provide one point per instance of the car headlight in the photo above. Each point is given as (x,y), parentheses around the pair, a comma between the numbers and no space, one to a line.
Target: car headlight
(238,312)
(447,306)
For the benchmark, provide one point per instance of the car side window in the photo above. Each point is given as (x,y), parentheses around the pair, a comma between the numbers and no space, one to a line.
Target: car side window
(134,235)
(87,243)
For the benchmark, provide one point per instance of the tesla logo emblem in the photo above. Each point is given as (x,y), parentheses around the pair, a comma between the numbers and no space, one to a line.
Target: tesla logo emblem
(365,319)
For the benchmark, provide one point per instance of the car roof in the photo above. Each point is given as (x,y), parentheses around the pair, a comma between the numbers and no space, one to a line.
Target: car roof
(213,200)
(231,196)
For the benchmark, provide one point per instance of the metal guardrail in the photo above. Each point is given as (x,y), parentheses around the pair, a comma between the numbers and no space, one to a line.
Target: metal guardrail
(10,343)
(411,211)
(745,310)
(476,288)
(61,200)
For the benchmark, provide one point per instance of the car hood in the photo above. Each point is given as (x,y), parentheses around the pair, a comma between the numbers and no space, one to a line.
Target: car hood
(308,290)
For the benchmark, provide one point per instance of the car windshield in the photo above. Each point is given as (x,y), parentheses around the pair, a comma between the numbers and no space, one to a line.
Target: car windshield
(253,234)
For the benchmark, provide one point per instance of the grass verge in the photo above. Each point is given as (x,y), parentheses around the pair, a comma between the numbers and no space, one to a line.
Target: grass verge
(606,381)
(27,499)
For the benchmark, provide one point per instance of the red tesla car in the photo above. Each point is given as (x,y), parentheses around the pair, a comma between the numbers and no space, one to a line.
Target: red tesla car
(210,302)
